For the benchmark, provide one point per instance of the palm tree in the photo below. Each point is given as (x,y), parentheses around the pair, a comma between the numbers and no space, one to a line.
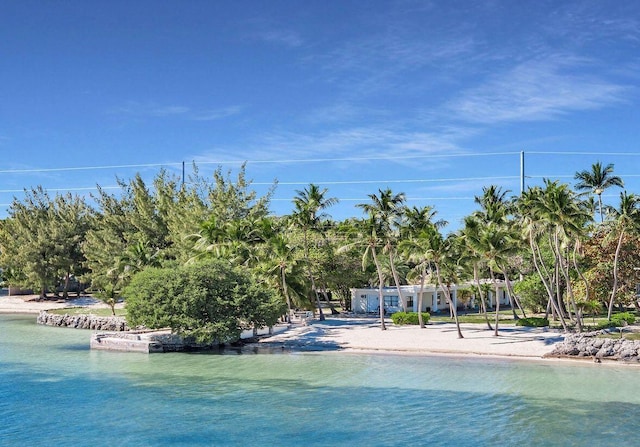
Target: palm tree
(416,244)
(280,258)
(565,219)
(387,210)
(493,203)
(495,209)
(439,255)
(495,243)
(364,234)
(310,204)
(624,219)
(470,235)
(597,180)
(535,224)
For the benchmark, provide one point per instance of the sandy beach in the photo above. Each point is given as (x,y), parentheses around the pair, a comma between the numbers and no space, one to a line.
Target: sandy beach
(365,335)
(30,304)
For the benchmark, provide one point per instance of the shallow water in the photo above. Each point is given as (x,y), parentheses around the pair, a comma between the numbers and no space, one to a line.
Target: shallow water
(55,391)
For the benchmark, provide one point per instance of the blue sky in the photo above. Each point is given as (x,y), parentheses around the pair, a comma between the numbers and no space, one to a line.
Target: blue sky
(433,99)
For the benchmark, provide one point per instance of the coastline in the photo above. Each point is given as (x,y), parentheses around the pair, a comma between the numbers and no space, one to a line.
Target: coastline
(364,335)
(30,304)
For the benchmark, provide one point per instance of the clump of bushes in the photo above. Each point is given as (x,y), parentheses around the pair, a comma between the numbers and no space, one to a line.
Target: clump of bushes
(401,318)
(533,322)
(618,320)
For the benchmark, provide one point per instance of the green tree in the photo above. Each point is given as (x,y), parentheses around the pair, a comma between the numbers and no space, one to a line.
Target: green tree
(470,238)
(41,237)
(308,214)
(416,244)
(624,219)
(387,210)
(597,180)
(209,301)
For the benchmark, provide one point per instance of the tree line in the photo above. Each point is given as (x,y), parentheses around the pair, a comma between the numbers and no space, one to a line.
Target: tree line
(557,248)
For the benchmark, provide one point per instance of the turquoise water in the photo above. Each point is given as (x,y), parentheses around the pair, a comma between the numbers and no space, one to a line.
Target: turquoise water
(55,391)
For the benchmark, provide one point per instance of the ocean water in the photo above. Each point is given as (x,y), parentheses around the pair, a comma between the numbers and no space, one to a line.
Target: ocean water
(54,391)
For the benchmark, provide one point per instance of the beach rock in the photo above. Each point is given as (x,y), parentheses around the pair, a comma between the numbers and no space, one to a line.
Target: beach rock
(589,345)
(83,321)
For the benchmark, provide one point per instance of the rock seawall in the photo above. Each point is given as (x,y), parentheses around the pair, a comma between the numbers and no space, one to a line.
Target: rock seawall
(589,345)
(83,321)
(148,342)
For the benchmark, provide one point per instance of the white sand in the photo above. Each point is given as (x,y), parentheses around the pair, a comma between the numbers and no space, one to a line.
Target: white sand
(437,338)
(29,304)
(364,334)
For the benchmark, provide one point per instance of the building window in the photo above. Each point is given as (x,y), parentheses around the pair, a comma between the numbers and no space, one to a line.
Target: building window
(409,302)
(391,301)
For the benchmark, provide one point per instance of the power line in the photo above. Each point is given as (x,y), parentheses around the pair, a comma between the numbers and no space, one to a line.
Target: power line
(85,168)
(582,153)
(365,182)
(308,160)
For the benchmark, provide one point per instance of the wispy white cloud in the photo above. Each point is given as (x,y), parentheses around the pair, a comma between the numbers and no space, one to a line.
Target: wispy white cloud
(382,62)
(150,110)
(262,29)
(536,90)
(138,109)
(284,37)
(216,114)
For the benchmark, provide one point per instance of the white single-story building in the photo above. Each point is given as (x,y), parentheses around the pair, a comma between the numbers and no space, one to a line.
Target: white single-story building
(367,300)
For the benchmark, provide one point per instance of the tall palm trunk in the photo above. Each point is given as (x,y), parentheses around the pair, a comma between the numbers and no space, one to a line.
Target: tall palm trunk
(614,289)
(584,278)
(396,278)
(380,286)
(539,265)
(452,306)
(286,293)
(495,285)
(482,300)
(313,282)
(567,278)
(423,274)
(513,299)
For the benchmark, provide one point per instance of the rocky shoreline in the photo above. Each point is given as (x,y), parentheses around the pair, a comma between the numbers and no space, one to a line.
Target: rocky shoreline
(83,321)
(590,345)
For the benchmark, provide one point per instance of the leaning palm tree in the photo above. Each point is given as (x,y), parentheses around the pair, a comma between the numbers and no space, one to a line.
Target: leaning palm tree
(439,254)
(495,210)
(470,235)
(364,234)
(310,204)
(535,230)
(496,243)
(597,180)
(387,210)
(280,259)
(416,245)
(624,219)
(567,219)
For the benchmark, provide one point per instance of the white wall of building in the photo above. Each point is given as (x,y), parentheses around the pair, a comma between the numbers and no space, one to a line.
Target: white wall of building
(366,300)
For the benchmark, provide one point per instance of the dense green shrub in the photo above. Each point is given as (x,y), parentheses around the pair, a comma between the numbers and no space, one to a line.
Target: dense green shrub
(532,293)
(533,322)
(618,320)
(623,316)
(401,318)
(209,301)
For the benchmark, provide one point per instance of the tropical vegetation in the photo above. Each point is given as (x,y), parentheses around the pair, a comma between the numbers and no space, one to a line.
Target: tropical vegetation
(165,246)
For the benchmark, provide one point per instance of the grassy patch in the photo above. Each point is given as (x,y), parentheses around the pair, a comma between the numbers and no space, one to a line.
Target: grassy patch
(504,318)
(100,312)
